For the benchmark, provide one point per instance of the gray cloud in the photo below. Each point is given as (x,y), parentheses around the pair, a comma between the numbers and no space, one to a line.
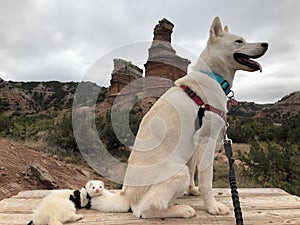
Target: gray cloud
(60,40)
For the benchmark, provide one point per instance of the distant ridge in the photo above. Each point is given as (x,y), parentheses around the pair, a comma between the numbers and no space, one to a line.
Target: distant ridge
(36,97)
(247,109)
(285,109)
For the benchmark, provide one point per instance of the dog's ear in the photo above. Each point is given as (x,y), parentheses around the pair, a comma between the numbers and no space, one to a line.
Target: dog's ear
(226,30)
(216,29)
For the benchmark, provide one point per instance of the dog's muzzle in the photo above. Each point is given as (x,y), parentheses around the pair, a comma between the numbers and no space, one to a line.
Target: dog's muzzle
(246,60)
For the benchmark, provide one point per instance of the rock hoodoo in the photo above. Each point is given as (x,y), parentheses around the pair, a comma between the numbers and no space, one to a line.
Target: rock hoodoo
(123,74)
(162,62)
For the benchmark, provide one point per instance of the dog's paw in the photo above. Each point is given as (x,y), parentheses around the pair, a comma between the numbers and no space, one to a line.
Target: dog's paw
(218,208)
(194,191)
(187,211)
(174,211)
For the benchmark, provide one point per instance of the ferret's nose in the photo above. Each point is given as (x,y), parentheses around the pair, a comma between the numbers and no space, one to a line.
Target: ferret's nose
(97,190)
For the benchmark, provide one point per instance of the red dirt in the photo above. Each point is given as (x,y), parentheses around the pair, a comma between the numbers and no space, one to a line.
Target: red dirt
(15,175)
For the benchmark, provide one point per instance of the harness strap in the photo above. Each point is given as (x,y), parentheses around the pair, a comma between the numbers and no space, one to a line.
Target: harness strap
(76,199)
(89,205)
(215,110)
(200,103)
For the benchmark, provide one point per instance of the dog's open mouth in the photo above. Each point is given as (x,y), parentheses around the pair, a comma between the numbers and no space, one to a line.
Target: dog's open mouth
(246,60)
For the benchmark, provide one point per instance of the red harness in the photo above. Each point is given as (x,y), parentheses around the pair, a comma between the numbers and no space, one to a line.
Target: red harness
(199,102)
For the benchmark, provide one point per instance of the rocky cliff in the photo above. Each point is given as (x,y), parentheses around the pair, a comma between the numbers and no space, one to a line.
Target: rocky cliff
(33,97)
(286,108)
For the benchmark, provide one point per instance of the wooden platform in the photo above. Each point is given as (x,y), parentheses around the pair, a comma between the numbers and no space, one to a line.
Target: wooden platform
(260,206)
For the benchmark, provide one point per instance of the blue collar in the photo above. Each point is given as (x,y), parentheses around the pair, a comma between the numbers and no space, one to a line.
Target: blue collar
(224,83)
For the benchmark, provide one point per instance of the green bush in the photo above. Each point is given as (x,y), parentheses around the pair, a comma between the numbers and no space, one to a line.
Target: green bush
(4,106)
(274,156)
(273,165)
(61,135)
(22,127)
(108,136)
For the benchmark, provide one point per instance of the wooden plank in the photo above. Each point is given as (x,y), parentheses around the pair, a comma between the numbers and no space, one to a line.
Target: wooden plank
(216,192)
(260,206)
(33,194)
(249,203)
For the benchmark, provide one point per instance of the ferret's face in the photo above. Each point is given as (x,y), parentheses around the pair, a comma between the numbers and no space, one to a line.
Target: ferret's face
(95,187)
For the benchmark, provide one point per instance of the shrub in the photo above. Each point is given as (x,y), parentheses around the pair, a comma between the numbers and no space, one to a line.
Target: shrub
(61,135)
(273,165)
(4,106)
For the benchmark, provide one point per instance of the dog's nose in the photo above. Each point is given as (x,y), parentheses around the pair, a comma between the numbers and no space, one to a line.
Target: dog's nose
(265,44)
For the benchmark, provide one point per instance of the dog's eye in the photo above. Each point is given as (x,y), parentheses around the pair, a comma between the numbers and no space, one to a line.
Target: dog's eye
(239,41)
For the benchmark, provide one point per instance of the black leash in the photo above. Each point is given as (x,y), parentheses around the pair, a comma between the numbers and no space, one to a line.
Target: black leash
(234,193)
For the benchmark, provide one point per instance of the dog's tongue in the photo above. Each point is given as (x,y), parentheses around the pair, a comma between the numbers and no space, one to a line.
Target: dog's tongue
(258,65)
(255,64)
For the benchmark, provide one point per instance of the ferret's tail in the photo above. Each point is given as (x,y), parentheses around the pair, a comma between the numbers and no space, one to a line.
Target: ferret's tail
(110,202)
(51,222)
(121,202)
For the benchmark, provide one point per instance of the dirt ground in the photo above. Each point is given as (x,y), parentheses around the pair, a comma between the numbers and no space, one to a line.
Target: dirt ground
(16,174)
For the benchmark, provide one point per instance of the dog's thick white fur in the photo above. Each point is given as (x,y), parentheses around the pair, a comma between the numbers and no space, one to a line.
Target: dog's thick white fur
(56,208)
(107,201)
(167,147)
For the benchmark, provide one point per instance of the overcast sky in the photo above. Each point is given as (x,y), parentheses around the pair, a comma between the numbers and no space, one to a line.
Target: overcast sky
(63,39)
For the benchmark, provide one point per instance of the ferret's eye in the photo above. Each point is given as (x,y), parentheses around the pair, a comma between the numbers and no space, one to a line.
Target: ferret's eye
(239,41)
(100,187)
(93,187)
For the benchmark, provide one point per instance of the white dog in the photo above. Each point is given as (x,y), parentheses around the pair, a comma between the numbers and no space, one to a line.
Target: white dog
(167,148)
(60,206)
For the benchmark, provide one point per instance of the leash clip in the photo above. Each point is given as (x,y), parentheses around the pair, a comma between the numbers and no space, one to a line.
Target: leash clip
(226,139)
(230,94)
(233,102)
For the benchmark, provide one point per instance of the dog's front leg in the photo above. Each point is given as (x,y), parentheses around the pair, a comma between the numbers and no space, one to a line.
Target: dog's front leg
(206,144)
(193,190)
(205,187)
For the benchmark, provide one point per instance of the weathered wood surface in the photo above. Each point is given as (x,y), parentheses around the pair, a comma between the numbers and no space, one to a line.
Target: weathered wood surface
(260,206)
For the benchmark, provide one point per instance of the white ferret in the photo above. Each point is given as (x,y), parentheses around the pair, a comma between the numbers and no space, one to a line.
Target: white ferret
(60,206)
(108,201)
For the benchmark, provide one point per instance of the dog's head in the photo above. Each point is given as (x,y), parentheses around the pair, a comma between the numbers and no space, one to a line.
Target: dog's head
(233,51)
(94,187)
